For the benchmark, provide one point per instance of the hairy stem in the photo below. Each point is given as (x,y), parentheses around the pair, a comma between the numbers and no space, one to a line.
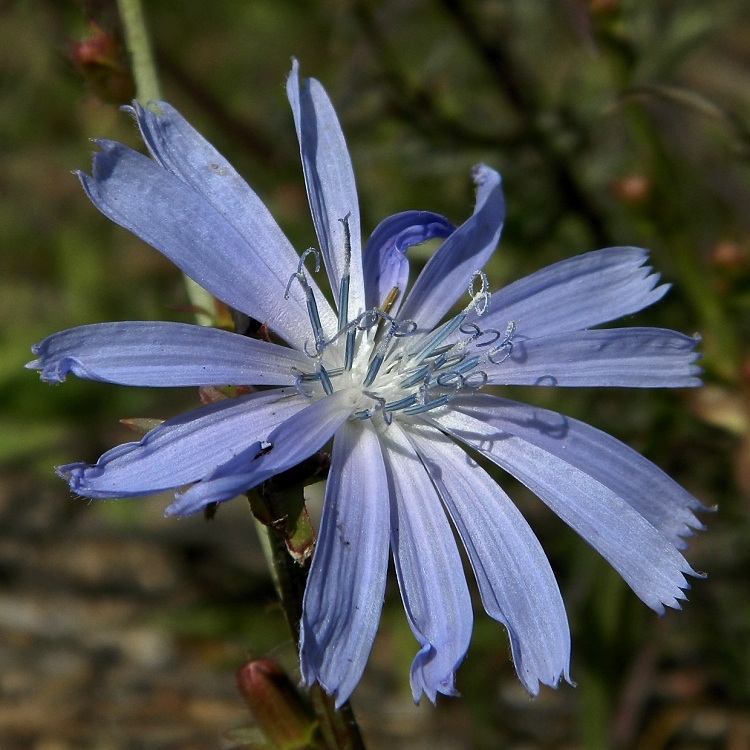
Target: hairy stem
(338,730)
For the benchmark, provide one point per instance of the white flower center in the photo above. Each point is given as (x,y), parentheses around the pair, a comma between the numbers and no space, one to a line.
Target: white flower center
(391,366)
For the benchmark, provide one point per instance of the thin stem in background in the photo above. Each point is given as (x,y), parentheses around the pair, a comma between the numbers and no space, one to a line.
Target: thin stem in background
(415,104)
(147,89)
(138,45)
(519,92)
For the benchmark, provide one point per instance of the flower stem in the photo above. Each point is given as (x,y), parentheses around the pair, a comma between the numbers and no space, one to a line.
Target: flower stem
(338,730)
(147,88)
(138,45)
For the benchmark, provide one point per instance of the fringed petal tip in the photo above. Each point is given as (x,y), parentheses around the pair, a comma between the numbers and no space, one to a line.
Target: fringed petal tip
(189,503)
(295,68)
(481,173)
(52,375)
(178,508)
(679,596)
(38,364)
(76,475)
(425,679)
(533,683)
(339,697)
(81,480)
(56,371)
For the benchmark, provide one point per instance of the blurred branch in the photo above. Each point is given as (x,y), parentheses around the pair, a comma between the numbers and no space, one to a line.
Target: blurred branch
(414,103)
(519,92)
(249,135)
(700,104)
(670,210)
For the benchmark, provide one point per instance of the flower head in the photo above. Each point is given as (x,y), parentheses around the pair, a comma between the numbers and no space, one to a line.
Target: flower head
(398,384)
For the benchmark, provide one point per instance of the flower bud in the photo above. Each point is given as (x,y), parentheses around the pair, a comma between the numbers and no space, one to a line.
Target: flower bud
(101,59)
(275,704)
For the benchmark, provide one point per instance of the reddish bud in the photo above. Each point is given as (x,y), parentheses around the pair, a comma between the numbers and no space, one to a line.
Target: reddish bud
(728,255)
(604,6)
(634,189)
(101,60)
(275,704)
(141,425)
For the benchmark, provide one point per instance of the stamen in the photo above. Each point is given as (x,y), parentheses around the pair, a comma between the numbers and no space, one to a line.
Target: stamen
(448,359)
(421,408)
(469,364)
(479,300)
(351,336)
(397,330)
(369,413)
(390,300)
(403,403)
(439,336)
(325,380)
(344,302)
(415,378)
(483,378)
(344,288)
(312,305)
(299,377)
(437,353)
(506,346)
(372,370)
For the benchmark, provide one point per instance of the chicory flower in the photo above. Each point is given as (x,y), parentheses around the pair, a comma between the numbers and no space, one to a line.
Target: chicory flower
(400,385)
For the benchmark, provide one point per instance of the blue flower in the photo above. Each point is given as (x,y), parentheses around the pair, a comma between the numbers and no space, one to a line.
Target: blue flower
(398,392)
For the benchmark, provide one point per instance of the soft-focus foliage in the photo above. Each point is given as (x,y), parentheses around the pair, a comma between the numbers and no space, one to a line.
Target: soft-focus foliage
(612,123)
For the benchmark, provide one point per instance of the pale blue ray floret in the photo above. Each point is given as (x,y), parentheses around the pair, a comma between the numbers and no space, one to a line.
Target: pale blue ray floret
(397,391)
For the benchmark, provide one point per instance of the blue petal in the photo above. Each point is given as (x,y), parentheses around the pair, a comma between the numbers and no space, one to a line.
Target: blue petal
(639,482)
(161,354)
(650,564)
(618,357)
(183,151)
(294,440)
(385,263)
(449,272)
(138,194)
(515,580)
(576,293)
(330,183)
(429,570)
(184,449)
(344,592)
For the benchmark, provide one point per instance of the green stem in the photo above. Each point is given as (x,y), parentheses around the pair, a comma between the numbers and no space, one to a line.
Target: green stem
(338,729)
(138,44)
(147,89)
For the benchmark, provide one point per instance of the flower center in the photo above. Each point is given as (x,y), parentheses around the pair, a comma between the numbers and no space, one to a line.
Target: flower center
(395,367)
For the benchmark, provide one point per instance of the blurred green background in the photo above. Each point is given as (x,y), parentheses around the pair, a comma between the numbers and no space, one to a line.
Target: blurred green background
(613,122)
